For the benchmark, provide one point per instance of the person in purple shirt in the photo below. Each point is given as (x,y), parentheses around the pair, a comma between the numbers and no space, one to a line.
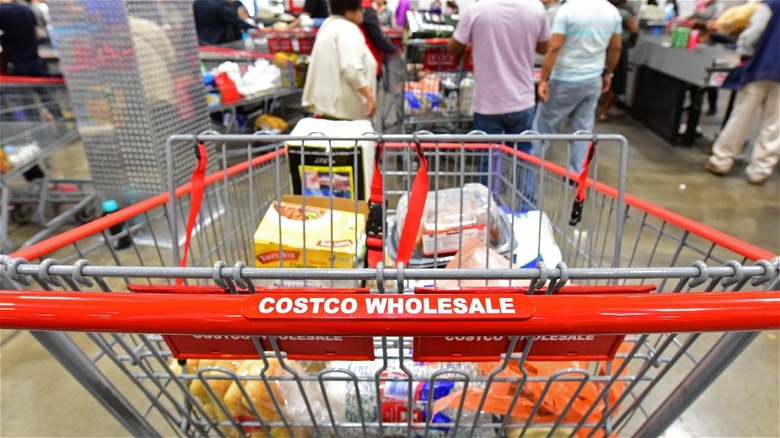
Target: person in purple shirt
(400,13)
(505,36)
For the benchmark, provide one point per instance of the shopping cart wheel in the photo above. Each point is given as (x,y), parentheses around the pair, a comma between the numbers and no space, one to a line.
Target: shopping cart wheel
(22,214)
(86,214)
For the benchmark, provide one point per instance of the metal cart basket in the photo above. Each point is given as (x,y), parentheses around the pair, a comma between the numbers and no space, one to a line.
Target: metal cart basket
(619,337)
(438,88)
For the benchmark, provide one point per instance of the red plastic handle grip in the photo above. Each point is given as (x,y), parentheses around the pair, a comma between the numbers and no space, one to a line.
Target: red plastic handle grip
(551,314)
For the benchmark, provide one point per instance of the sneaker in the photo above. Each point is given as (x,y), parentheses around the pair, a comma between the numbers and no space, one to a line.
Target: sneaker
(720,171)
(757,180)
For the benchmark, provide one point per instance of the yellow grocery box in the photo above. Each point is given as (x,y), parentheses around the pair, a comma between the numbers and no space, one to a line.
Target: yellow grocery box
(344,246)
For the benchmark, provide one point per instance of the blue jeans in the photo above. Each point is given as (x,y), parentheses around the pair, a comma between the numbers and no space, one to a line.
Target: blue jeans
(573,100)
(510,123)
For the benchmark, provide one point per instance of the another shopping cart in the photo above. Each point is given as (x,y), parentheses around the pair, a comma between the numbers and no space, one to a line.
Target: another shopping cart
(35,121)
(439,87)
(255,358)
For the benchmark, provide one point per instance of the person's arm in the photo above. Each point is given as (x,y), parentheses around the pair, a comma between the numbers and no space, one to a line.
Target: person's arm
(541,47)
(613,56)
(374,32)
(455,47)
(551,56)
(370,102)
(632,26)
(746,43)
(230,16)
(461,37)
(352,69)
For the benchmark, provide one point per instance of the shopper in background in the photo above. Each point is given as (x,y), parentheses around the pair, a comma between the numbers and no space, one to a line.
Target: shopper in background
(758,82)
(214,19)
(630,34)
(19,41)
(505,36)
(651,12)
(385,14)
(706,10)
(41,11)
(235,34)
(379,46)
(552,7)
(341,79)
(671,10)
(313,15)
(578,67)
(451,8)
(400,13)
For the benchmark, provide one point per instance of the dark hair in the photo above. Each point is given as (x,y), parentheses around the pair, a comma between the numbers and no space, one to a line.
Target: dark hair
(340,7)
(674,3)
(652,2)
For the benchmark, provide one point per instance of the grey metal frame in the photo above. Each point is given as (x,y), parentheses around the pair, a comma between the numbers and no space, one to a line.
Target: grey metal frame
(80,275)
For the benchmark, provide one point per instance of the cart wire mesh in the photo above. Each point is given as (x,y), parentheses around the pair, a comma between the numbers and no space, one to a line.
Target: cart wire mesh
(129,365)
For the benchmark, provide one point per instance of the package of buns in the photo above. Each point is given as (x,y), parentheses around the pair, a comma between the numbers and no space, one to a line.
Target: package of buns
(250,394)
(451,216)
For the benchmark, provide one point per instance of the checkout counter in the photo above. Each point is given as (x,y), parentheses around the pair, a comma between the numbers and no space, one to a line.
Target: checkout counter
(661,76)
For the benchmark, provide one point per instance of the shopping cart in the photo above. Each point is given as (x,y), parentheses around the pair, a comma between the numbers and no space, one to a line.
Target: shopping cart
(439,87)
(35,121)
(595,354)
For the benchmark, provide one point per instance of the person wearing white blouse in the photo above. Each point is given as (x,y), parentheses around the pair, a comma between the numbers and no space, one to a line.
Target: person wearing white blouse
(341,79)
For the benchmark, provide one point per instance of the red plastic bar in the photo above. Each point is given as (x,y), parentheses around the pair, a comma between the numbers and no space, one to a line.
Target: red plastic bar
(29,80)
(233,52)
(46,247)
(250,315)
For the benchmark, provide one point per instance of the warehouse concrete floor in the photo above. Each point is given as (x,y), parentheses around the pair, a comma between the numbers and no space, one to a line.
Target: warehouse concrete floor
(38,398)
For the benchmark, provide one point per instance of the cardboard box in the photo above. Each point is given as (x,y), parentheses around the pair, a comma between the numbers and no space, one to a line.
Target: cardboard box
(344,246)
(312,161)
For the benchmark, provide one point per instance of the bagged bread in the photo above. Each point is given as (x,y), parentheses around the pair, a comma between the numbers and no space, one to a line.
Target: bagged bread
(218,386)
(287,394)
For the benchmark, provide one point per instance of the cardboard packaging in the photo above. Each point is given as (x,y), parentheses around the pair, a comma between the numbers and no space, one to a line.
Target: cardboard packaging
(343,248)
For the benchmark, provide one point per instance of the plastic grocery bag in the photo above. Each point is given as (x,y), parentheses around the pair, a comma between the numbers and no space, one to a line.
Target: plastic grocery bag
(555,401)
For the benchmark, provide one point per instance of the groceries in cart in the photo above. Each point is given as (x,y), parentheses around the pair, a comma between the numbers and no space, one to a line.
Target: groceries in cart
(12,156)
(294,235)
(451,217)
(273,397)
(342,169)
(440,93)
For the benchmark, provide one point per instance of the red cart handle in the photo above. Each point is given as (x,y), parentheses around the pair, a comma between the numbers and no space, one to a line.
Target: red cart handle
(390,315)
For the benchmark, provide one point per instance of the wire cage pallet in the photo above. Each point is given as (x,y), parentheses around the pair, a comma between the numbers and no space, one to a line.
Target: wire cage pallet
(603,341)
